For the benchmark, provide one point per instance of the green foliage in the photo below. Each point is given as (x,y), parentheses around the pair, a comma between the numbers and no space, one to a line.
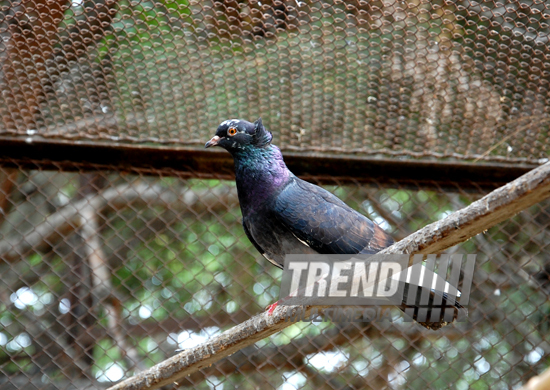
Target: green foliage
(199,264)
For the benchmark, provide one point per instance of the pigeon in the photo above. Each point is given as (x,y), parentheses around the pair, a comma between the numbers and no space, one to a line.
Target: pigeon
(283,214)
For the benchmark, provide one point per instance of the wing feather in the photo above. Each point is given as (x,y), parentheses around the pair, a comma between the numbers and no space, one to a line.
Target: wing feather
(325,222)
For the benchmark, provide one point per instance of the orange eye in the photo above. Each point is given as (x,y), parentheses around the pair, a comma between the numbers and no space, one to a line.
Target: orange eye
(232,131)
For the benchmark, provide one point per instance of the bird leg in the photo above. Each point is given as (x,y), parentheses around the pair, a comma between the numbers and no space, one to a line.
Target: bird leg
(271,308)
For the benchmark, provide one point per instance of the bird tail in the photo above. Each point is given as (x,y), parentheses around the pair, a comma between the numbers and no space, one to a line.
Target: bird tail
(429,299)
(440,309)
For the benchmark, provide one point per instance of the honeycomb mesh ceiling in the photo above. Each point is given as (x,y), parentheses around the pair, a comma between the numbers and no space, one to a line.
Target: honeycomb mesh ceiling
(444,79)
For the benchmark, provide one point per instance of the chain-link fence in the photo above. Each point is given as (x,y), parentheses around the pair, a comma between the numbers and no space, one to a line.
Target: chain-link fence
(107,273)
(108,269)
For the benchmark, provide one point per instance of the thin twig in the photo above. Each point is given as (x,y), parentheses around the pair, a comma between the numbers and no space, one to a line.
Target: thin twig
(387,216)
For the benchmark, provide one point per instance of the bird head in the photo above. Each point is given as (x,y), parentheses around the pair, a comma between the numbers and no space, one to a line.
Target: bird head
(238,134)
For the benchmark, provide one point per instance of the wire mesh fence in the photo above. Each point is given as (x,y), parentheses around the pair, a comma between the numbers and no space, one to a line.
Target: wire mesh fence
(400,78)
(106,271)
(104,274)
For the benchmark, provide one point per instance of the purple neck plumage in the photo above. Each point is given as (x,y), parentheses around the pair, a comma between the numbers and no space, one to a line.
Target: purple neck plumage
(260,172)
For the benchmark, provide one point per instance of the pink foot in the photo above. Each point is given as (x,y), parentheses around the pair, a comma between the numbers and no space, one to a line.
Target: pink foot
(271,308)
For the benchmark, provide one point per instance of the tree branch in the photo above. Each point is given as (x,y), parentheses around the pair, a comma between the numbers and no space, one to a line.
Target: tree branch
(495,207)
(400,232)
(102,287)
(7,180)
(47,336)
(539,382)
(499,205)
(292,355)
(58,225)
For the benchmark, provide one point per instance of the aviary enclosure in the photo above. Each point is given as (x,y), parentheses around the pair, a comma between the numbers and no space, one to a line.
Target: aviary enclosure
(121,238)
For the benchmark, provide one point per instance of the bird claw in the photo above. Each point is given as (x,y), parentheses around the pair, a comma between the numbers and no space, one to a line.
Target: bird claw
(271,308)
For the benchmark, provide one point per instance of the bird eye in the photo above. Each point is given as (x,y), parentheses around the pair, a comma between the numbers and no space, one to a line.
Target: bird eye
(232,131)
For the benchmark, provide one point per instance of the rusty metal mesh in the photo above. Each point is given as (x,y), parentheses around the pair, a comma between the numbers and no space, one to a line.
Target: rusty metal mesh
(105,273)
(417,78)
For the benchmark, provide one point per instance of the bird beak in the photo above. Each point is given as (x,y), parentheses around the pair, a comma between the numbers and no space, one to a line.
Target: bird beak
(213,142)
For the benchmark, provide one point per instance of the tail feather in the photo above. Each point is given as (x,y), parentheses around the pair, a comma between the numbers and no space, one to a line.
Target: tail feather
(440,309)
(429,299)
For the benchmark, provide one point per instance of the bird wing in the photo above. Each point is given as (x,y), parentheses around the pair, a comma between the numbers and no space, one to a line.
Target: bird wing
(329,226)
(325,223)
